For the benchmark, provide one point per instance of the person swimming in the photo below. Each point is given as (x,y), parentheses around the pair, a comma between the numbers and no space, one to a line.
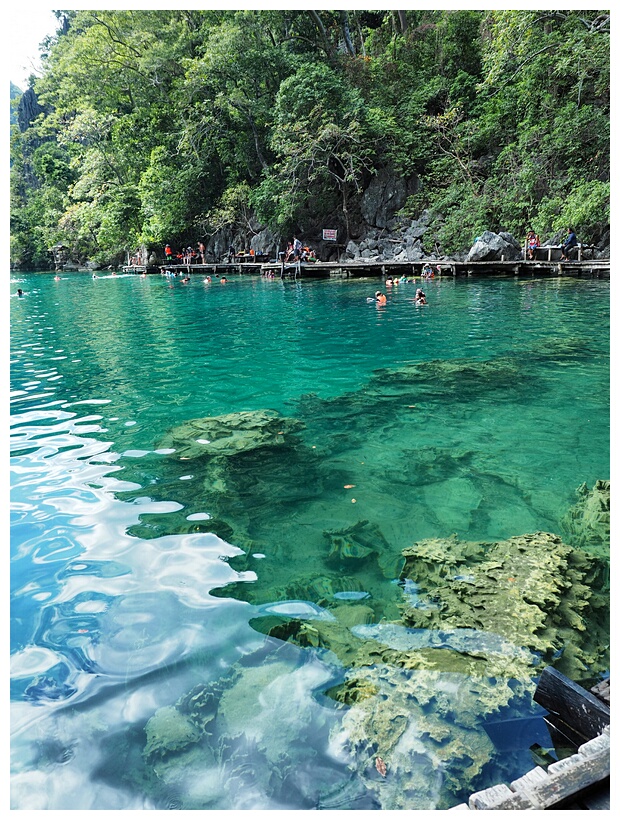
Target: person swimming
(381,298)
(223,280)
(20,292)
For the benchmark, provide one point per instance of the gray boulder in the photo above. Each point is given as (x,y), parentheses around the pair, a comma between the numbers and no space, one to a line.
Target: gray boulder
(508,237)
(491,247)
(265,241)
(352,249)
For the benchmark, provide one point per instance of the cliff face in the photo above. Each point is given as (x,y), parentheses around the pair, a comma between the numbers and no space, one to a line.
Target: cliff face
(28,109)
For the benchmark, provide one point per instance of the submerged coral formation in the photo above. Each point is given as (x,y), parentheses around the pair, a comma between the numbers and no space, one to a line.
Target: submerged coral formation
(478,620)
(587,523)
(534,590)
(428,650)
(229,434)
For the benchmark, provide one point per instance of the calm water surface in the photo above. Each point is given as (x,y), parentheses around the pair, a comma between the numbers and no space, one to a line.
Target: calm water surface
(147,568)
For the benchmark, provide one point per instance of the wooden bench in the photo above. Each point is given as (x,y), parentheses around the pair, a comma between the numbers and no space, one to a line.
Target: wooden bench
(548,253)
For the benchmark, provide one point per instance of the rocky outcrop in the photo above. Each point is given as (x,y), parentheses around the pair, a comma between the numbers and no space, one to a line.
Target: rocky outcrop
(494,247)
(401,239)
(384,197)
(28,109)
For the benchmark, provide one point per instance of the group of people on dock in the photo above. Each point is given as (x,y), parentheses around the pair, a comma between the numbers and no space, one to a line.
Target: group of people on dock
(186,256)
(296,252)
(532,242)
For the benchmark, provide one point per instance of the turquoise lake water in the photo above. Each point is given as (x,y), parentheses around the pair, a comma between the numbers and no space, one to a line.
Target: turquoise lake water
(147,566)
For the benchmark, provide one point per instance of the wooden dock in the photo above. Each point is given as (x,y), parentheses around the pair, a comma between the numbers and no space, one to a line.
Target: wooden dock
(360,269)
(576,718)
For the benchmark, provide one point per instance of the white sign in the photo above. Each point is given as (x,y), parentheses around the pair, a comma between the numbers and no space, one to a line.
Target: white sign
(329,234)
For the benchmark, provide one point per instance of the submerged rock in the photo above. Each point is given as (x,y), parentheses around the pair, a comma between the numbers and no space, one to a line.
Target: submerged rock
(533,590)
(464,376)
(352,545)
(587,523)
(478,619)
(169,731)
(230,434)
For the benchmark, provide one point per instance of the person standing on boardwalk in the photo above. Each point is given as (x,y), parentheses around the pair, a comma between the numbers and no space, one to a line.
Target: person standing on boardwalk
(201,252)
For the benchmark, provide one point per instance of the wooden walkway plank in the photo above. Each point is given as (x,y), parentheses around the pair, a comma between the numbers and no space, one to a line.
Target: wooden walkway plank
(576,706)
(580,780)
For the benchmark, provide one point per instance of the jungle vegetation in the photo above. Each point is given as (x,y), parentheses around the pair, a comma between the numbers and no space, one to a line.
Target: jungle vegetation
(165,126)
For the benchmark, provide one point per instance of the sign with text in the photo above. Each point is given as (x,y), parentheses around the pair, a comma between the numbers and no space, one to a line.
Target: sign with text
(329,235)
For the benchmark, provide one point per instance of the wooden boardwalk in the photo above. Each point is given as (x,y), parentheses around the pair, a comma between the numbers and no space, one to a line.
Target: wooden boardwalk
(356,269)
(580,781)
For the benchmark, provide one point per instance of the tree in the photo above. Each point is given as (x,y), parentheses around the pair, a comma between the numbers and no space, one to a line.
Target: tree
(322,138)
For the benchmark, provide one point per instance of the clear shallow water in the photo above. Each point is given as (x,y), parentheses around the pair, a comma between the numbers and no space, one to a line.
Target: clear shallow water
(138,573)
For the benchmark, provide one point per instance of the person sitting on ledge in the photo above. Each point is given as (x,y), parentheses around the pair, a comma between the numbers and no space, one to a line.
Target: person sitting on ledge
(569,244)
(533,242)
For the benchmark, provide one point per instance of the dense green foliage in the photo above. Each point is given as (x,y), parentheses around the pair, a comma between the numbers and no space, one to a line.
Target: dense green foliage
(167,125)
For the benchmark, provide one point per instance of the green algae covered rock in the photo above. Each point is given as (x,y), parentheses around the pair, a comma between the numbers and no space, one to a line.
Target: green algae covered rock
(465,377)
(230,434)
(416,739)
(533,590)
(478,620)
(587,523)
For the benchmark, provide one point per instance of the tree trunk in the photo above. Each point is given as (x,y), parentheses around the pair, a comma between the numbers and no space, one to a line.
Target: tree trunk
(344,23)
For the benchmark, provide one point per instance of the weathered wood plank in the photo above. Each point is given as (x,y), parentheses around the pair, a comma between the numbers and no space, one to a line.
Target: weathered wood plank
(531,778)
(489,798)
(566,786)
(576,706)
(594,746)
(517,801)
